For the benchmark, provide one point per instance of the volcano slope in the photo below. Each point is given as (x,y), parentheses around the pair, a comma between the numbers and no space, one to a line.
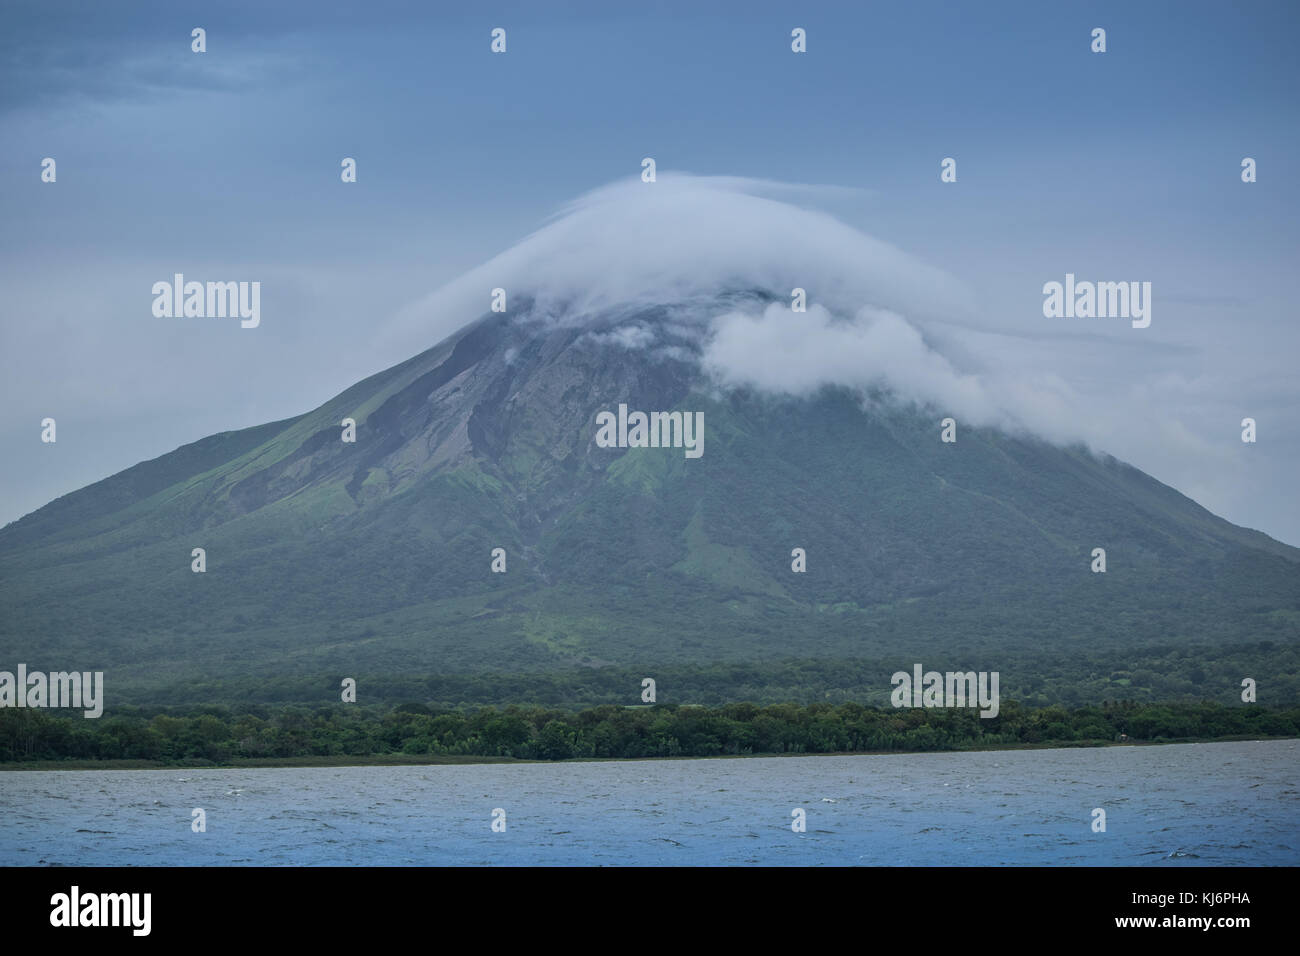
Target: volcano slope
(373,558)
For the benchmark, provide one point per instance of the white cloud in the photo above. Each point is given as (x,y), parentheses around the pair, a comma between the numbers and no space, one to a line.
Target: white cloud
(680,240)
(781,350)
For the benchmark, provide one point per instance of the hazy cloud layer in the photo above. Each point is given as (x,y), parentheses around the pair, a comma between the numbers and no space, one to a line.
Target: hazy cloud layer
(684,239)
(876,316)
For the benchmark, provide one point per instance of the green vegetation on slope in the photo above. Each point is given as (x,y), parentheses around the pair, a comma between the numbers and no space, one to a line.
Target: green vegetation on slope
(372,559)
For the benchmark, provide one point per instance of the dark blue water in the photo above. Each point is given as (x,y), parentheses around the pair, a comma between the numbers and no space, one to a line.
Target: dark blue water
(1224,803)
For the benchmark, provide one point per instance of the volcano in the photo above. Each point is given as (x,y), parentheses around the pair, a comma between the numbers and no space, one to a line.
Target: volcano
(476,526)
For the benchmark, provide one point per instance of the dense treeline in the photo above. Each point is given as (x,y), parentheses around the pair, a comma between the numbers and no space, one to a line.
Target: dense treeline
(218,735)
(1150,674)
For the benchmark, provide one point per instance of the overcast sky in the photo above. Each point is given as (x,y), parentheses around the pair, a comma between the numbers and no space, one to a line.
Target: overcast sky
(225,165)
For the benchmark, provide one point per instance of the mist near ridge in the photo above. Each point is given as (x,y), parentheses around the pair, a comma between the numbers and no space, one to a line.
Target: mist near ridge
(721,257)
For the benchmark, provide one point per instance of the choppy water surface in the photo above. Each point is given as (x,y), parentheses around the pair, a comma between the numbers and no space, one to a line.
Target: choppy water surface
(1222,803)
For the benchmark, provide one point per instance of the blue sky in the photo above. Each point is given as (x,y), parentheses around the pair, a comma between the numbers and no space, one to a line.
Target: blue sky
(1123,165)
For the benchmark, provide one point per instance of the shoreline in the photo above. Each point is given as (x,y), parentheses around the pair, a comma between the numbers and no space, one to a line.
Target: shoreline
(438,760)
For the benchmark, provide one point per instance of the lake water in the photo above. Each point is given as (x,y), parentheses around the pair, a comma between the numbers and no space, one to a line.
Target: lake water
(1201,804)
